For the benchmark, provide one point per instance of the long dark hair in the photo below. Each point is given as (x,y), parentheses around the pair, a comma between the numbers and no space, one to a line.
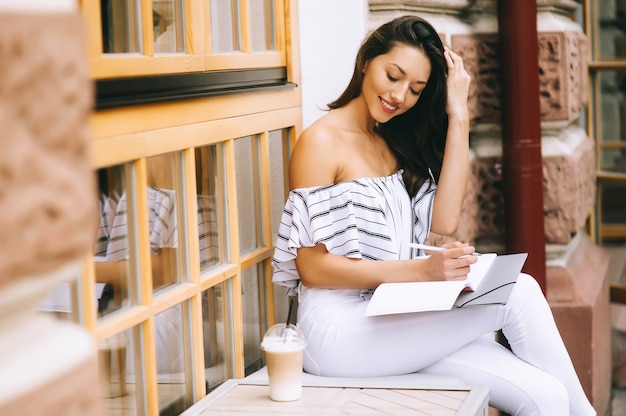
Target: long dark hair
(417,138)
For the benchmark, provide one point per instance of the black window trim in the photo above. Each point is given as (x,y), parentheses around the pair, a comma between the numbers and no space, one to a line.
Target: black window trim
(120,92)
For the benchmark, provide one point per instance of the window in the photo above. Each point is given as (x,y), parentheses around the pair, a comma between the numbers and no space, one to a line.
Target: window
(177,289)
(127,38)
(605,23)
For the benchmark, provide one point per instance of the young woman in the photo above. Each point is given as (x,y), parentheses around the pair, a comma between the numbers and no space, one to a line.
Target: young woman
(385,166)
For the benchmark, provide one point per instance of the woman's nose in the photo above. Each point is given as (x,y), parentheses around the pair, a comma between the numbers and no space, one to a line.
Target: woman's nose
(398,95)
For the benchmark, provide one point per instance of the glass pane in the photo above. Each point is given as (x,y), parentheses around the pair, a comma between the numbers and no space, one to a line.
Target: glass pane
(120,374)
(62,301)
(225,31)
(171,331)
(211,210)
(167,17)
(613,195)
(164,180)
(613,120)
(121,26)
(248,192)
(612,29)
(261,25)
(217,330)
(278,143)
(253,316)
(279,148)
(111,250)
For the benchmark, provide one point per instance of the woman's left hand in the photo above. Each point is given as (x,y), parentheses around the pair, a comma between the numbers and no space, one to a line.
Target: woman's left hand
(458,83)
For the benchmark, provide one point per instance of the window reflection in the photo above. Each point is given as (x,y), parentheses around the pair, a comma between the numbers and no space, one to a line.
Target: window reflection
(612,30)
(279,155)
(248,192)
(173,388)
(61,302)
(613,120)
(253,299)
(121,372)
(261,25)
(217,329)
(168,26)
(163,183)
(110,251)
(210,209)
(120,26)
(278,144)
(225,31)
(120,380)
(613,198)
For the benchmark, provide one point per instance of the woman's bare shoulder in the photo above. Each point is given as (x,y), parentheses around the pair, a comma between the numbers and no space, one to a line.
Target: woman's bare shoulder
(314,160)
(321,133)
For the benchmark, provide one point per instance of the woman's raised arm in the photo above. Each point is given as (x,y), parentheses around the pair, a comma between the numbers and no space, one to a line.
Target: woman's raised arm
(453,180)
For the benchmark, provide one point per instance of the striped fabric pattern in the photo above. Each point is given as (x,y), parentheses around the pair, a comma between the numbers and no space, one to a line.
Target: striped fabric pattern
(208,231)
(361,219)
(162,222)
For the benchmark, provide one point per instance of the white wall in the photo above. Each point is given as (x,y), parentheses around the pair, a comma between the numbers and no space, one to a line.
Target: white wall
(331,32)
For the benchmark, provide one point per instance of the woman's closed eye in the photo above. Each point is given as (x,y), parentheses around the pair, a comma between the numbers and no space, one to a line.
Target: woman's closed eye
(394,79)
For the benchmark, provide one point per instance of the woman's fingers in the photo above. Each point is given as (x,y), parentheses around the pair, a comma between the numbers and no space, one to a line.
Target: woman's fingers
(454,244)
(453,60)
(451,264)
(456,68)
(458,83)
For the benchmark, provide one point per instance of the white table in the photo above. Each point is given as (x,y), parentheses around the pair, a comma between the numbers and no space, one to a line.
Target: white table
(397,396)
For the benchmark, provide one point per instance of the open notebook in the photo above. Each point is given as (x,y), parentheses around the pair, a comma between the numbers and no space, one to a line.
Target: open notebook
(490,281)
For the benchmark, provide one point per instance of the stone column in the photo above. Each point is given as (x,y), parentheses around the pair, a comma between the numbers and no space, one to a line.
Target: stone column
(578,270)
(48,207)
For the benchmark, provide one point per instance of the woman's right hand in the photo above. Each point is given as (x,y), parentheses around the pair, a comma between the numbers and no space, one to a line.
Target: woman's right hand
(451,264)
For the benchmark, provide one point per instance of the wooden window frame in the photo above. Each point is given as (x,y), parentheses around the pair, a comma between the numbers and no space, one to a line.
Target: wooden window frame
(598,229)
(228,96)
(159,88)
(197,57)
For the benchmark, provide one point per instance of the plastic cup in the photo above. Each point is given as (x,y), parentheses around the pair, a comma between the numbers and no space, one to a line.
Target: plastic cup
(283,347)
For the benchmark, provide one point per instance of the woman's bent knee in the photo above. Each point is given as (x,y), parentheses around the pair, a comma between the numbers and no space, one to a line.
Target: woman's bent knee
(543,396)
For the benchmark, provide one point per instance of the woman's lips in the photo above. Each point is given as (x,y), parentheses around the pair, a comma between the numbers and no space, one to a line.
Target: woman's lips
(387,106)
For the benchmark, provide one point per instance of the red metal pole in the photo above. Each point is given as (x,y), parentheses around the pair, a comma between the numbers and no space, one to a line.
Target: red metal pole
(521,133)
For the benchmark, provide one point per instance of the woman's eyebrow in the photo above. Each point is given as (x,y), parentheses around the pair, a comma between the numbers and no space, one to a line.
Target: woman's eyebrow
(404,73)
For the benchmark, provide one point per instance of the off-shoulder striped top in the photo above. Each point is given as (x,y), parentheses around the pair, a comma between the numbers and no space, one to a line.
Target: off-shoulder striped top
(368,218)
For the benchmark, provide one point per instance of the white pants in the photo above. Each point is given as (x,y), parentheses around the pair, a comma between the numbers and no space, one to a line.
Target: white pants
(537,378)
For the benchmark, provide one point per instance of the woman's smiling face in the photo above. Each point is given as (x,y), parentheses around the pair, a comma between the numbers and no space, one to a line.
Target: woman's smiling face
(393,82)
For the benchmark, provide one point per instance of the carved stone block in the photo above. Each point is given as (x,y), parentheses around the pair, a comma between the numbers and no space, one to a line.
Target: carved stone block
(490,198)
(561,77)
(46,179)
(480,57)
(569,192)
(468,226)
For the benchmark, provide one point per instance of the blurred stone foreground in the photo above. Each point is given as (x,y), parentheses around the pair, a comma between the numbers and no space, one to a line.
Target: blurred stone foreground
(48,209)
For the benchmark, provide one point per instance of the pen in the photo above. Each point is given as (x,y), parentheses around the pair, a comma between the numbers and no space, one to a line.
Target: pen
(433,248)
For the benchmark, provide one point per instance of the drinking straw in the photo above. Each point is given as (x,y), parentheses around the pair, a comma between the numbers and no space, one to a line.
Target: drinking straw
(292,302)
(289,315)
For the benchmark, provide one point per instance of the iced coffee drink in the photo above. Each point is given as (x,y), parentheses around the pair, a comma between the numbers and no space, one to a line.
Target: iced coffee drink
(283,347)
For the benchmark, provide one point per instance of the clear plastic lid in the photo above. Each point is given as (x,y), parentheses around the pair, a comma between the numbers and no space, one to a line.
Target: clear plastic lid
(282,336)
